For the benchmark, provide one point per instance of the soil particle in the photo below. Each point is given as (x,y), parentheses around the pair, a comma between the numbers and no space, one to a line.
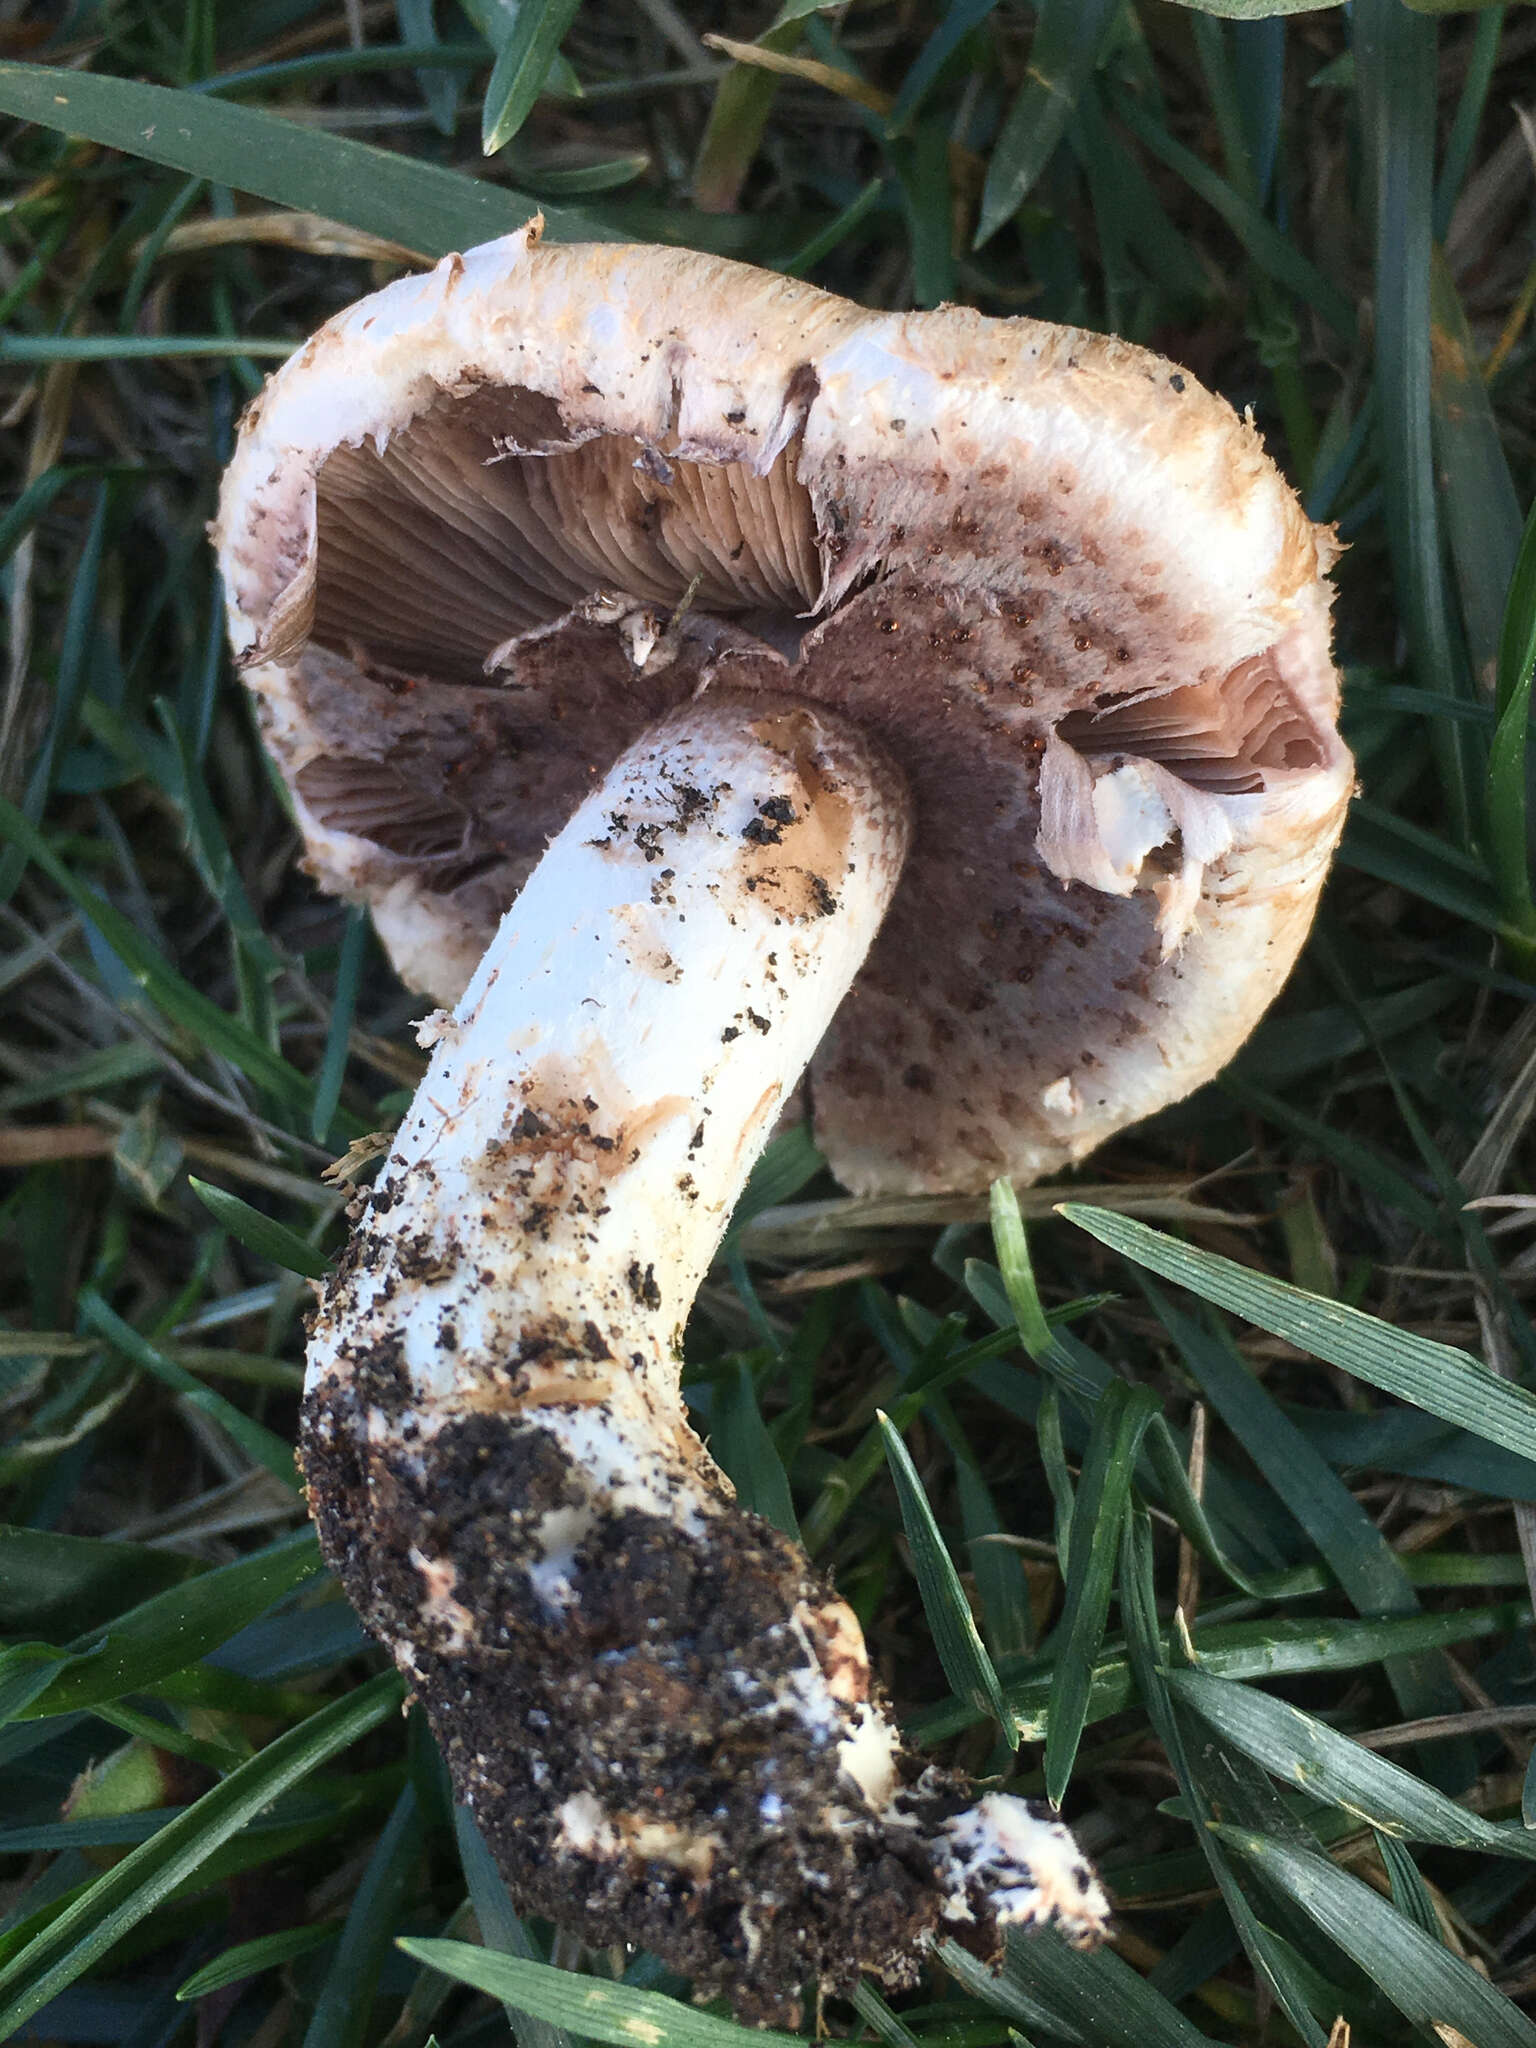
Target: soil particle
(379,1378)
(692,804)
(642,1284)
(767,828)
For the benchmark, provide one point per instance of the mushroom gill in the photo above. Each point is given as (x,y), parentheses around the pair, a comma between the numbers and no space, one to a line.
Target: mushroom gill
(443,548)
(1228,734)
(376,801)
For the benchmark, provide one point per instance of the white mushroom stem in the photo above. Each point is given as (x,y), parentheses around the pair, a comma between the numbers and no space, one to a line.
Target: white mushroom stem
(661,1714)
(596,1100)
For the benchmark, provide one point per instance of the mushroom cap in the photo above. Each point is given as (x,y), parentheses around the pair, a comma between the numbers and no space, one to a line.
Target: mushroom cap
(492,521)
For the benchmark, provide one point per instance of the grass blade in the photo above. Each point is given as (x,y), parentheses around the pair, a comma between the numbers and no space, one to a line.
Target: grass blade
(1281,1647)
(1395,64)
(69,685)
(259,1233)
(33,503)
(1077,1370)
(1053,1456)
(1000,1584)
(1396,851)
(1084,1996)
(1410,1894)
(1119,1423)
(1145,1646)
(342,2010)
(1255,10)
(921,164)
(1362,1163)
(1482,510)
(500,1929)
(1316,1759)
(522,64)
(1135,233)
(172,1629)
(872,2008)
(1424,1980)
(1013,1263)
(261,1445)
(961,18)
(132,1889)
(333,1065)
(738,116)
(77,1578)
(1507,823)
(1445,1382)
(248,1958)
(961,1651)
(141,348)
(786,1164)
(1286,1047)
(210,851)
(212,1026)
(601,2010)
(441,90)
(1273,252)
(1356,1552)
(1069,35)
(747,1452)
(401,198)
(1470,108)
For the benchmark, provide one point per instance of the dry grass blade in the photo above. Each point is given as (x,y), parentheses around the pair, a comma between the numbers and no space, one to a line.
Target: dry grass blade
(309,233)
(785,64)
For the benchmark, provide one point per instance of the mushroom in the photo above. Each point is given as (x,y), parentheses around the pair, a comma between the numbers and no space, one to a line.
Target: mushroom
(941,700)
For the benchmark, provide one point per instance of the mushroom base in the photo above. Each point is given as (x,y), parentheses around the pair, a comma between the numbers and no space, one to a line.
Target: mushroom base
(662,1719)
(644,1763)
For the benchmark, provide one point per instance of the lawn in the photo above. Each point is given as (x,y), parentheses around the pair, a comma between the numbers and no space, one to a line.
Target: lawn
(1195,1490)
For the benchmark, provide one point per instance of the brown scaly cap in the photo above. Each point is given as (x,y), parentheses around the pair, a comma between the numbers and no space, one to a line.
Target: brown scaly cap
(490,523)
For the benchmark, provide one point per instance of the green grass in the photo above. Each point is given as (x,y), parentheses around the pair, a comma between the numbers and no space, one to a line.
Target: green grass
(1309,1789)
